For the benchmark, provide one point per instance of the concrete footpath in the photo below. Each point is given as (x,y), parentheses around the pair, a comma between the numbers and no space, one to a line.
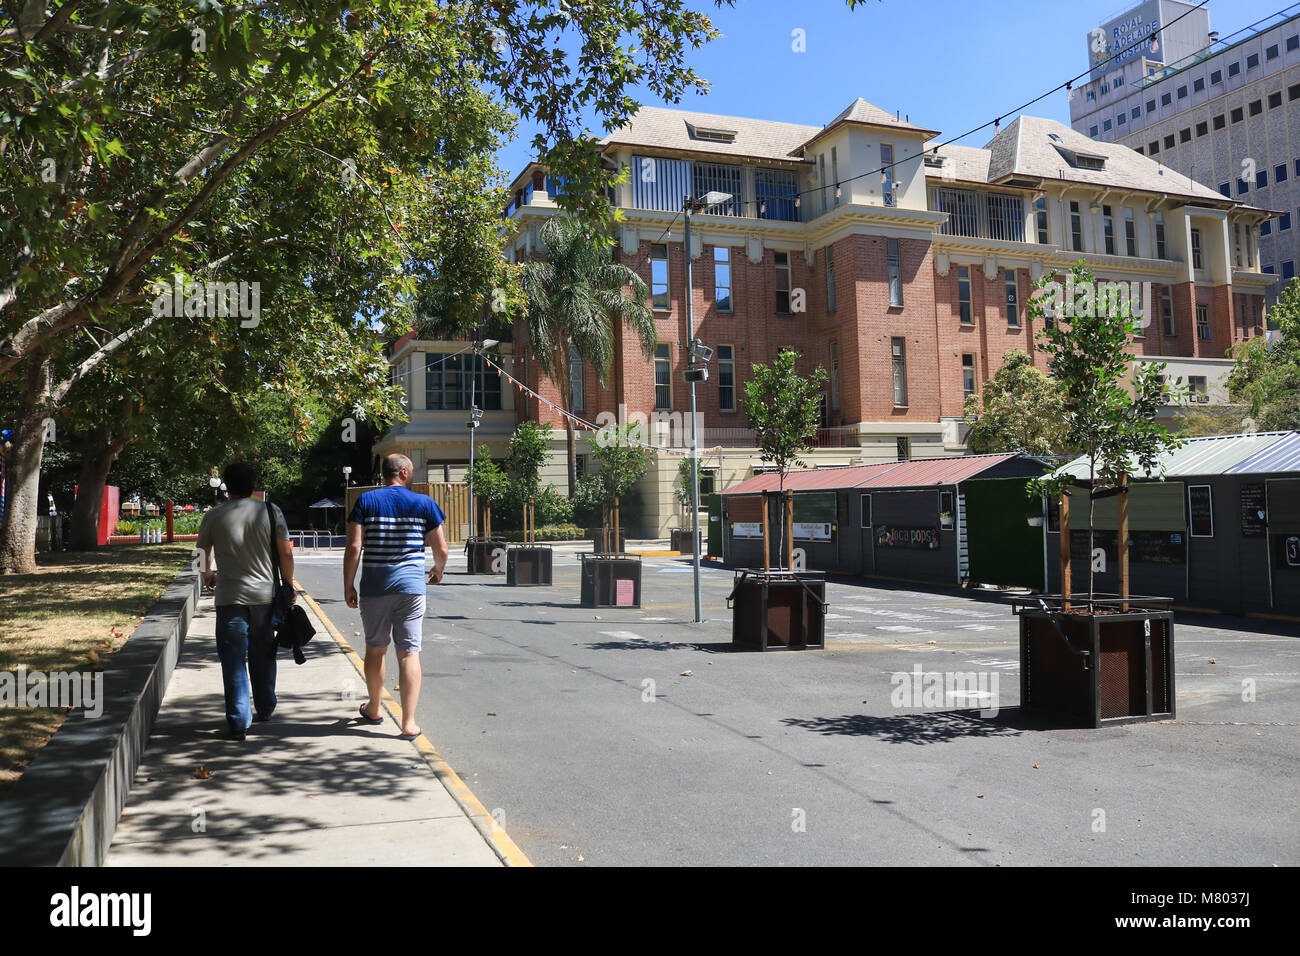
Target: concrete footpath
(311,787)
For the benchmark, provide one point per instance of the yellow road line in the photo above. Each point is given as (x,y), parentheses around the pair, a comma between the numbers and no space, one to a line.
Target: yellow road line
(505,848)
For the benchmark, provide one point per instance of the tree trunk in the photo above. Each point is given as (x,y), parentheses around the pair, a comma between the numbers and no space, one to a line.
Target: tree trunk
(23,473)
(95,466)
(573,458)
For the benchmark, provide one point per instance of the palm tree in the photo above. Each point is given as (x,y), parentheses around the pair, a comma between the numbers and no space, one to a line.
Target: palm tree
(575,298)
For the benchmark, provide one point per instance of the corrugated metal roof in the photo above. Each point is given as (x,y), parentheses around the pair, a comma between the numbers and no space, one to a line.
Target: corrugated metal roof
(1215,455)
(1282,455)
(921,472)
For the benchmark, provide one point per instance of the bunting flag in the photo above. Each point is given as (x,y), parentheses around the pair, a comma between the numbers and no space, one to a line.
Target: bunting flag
(586,425)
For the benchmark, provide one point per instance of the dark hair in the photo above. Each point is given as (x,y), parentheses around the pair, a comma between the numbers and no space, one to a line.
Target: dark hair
(240,478)
(393,464)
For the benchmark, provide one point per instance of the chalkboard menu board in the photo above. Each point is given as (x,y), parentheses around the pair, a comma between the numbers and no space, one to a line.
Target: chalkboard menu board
(1201,509)
(1252,510)
(1145,547)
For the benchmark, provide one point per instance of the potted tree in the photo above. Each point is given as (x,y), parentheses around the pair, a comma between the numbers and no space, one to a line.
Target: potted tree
(681,537)
(528,563)
(1098,658)
(485,554)
(781,608)
(610,576)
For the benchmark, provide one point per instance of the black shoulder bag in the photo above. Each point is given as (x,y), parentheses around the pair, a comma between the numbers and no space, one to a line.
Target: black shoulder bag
(288,620)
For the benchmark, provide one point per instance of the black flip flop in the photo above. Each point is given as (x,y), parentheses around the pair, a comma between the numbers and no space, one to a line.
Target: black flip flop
(366,718)
(409,736)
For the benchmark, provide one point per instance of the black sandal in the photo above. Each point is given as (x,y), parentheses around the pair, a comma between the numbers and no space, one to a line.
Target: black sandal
(366,718)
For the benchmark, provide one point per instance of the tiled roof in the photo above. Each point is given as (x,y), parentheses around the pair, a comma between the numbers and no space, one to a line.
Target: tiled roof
(860,111)
(918,473)
(672,129)
(970,164)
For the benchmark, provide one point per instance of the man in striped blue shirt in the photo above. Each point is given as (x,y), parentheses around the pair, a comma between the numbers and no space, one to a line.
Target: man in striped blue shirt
(388,530)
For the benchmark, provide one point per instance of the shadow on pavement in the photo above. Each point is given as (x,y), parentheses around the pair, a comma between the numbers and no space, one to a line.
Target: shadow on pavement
(932,728)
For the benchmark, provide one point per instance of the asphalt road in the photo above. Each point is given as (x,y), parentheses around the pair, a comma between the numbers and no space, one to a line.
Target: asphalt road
(584,734)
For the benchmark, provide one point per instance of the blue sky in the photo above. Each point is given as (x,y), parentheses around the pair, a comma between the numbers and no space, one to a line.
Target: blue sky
(949,65)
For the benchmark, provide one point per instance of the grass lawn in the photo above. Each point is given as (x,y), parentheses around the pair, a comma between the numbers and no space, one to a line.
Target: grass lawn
(72,615)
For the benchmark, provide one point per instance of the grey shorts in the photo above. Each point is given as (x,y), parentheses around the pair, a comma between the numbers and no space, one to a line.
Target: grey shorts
(396,616)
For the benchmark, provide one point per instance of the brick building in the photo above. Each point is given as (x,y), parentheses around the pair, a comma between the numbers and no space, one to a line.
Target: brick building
(907,286)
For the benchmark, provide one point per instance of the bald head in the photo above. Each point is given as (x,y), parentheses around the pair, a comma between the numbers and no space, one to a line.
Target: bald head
(394,467)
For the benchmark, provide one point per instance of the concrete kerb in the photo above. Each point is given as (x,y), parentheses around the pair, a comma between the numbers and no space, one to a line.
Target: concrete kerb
(64,809)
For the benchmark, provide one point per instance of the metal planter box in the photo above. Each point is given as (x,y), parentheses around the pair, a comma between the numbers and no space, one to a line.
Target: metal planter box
(778,610)
(599,545)
(611,580)
(485,555)
(1097,669)
(529,566)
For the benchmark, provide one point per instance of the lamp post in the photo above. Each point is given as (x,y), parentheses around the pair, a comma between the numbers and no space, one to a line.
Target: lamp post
(695,374)
(475,419)
(347,482)
(214,483)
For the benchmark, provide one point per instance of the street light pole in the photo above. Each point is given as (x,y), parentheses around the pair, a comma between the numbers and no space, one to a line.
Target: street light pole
(695,460)
(474,421)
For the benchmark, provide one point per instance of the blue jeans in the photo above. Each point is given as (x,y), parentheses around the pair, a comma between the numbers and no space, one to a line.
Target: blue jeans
(244,639)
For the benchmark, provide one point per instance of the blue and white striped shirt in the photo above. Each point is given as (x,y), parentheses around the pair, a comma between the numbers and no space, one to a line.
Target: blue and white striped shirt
(395,521)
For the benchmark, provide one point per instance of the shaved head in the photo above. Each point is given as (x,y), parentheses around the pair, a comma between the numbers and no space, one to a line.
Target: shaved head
(393,465)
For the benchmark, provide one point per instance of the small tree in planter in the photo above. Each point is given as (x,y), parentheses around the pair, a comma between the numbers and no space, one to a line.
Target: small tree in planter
(783,409)
(1109,411)
(623,462)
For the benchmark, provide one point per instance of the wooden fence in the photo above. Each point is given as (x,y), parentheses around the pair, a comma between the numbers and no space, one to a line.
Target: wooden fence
(452,498)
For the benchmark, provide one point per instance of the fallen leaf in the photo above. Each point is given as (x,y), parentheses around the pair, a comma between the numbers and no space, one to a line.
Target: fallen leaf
(979,796)
(598,617)
(356,633)
(932,642)
(202,773)
(1213,661)
(685,674)
(492,713)
(1035,766)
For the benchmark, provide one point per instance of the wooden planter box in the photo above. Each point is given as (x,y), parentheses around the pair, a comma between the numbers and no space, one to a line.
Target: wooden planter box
(778,610)
(611,580)
(481,554)
(529,566)
(681,540)
(1097,669)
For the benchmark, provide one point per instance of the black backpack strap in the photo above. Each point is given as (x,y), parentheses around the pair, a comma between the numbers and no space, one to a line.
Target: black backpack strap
(275,562)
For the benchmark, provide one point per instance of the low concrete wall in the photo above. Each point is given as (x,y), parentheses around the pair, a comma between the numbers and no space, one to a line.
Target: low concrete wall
(64,809)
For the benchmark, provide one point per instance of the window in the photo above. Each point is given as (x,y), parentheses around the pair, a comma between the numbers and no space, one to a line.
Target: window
(887,174)
(1013,298)
(1108,226)
(898,349)
(1160,235)
(1092,95)
(1236,115)
(1198,85)
(1269,269)
(448,379)
(1185,135)
(1219,122)
(1297,167)
(864,507)
(1121,119)
(577,383)
(1252,61)
(1167,310)
(830,279)
(1271,52)
(1202,322)
(1261,179)
(782,282)
(1092,130)
(1226,189)
(1266,228)
(1216,77)
(835,173)
(726,378)
(1151,106)
(1288,269)
(1138,150)
(1275,100)
(1135,113)
(895,273)
(1198,386)
(663,377)
(835,376)
(963,294)
(1292,43)
(1130,233)
(722,278)
(967,376)
(1202,129)
(1182,92)
(1169,141)
(1280,173)
(659,276)
(1105,125)
(1105,87)
(1153,147)
(1234,69)
(1040,213)
(1256,107)
(1242,187)
(775,191)
(1236,243)
(1167,99)
(1197,262)
(1076,228)
(1284,222)
(904,446)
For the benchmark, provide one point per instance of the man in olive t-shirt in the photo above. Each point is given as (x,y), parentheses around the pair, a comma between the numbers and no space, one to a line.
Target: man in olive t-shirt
(240,532)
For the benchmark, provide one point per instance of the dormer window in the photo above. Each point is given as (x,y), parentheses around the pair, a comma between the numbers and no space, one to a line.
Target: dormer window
(1090,162)
(712,134)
